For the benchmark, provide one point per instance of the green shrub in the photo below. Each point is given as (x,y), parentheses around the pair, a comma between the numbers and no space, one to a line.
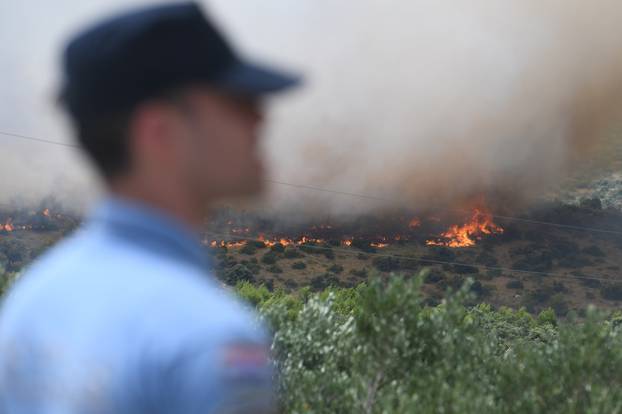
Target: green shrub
(238,273)
(379,348)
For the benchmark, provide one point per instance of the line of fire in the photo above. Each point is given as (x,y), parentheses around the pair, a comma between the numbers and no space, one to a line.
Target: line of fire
(517,262)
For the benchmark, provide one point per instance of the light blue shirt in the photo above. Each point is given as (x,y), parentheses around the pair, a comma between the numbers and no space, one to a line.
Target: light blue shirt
(122,317)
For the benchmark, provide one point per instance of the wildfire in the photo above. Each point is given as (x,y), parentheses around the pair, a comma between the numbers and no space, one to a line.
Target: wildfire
(227,244)
(478,225)
(468,234)
(414,223)
(46,212)
(8,226)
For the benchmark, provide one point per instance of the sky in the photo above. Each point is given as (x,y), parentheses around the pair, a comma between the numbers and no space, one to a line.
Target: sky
(422,102)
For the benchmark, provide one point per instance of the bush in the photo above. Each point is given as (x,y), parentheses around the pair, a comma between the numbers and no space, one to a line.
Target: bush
(269,258)
(612,291)
(292,254)
(278,247)
(465,269)
(258,244)
(362,273)
(323,282)
(363,245)
(594,251)
(514,284)
(274,269)
(313,248)
(227,262)
(335,269)
(433,277)
(356,350)
(559,304)
(299,265)
(238,273)
(248,249)
(386,263)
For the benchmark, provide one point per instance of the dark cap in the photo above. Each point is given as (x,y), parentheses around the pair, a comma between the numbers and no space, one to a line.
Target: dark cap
(138,55)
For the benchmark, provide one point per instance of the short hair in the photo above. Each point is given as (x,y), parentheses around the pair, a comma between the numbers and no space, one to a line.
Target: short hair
(105,139)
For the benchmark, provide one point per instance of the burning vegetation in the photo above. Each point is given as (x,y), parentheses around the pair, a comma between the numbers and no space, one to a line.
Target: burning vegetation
(514,263)
(479,224)
(467,234)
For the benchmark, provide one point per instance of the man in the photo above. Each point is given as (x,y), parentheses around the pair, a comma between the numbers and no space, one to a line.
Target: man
(122,317)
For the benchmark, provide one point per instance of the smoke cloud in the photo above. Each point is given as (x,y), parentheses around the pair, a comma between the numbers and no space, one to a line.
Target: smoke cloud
(422,102)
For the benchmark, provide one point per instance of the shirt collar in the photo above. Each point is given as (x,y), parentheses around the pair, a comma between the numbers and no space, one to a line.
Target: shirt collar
(150,228)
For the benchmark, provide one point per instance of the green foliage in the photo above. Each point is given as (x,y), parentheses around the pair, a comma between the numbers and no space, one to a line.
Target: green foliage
(6,280)
(238,273)
(378,348)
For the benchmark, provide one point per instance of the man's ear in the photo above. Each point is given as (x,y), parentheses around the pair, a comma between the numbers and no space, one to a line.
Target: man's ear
(151,131)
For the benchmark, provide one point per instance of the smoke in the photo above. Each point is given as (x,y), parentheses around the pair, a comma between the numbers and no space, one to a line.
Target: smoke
(430,103)
(421,102)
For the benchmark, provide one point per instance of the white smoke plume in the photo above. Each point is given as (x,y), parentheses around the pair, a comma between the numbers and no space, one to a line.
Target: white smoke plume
(422,102)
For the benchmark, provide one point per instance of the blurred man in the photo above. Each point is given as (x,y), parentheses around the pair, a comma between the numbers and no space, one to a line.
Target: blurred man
(122,317)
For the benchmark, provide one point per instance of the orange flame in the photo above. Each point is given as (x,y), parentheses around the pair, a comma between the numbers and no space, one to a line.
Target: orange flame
(414,223)
(46,212)
(8,226)
(466,235)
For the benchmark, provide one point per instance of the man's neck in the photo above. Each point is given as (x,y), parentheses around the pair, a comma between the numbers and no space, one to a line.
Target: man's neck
(173,202)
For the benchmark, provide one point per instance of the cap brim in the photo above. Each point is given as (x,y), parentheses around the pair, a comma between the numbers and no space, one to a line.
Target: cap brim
(254,79)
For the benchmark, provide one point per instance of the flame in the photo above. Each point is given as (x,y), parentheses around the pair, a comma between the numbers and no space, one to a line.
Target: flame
(466,235)
(227,244)
(379,245)
(46,212)
(7,226)
(414,223)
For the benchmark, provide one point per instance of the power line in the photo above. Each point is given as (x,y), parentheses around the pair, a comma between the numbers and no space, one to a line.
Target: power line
(367,196)
(44,141)
(433,261)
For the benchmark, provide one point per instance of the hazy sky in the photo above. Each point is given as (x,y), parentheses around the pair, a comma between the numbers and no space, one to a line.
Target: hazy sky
(416,100)
(32,35)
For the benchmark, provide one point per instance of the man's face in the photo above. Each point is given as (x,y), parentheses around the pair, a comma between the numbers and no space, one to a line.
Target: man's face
(217,147)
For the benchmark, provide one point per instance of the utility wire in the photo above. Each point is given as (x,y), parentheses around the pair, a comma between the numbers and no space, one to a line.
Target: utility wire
(41,140)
